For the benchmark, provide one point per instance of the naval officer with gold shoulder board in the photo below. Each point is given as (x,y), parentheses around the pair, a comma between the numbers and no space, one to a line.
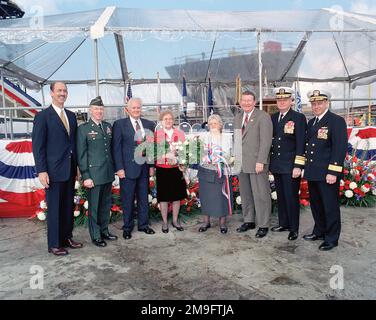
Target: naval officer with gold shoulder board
(325,152)
(287,160)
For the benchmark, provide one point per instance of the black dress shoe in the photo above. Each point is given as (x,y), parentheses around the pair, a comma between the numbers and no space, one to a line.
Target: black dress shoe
(147,230)
(246,226)
(293,236)
(326,246)
(73,244)
(58,251)
(165,230)
(99,243)
(223,229)
(204,228)
(312,237)
(179,228)
(109,236)
(279,229)
(127,235)
(262,232)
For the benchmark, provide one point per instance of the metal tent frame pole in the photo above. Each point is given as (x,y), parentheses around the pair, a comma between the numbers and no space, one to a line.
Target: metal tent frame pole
(96,67)
(4,106)
(260,68)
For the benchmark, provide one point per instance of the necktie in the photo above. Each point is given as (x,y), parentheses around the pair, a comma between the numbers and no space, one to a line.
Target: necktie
(316,121)
(137,126)
(281,117)
(245,123)
(138,132)
(101,127)
(62,117)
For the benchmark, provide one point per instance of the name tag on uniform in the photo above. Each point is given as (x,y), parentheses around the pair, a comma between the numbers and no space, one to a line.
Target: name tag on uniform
(108,130)
(290,127)
(323,133)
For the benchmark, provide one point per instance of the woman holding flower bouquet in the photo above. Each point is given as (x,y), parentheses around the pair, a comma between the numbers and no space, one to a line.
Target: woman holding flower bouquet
(214,174)
(171,186)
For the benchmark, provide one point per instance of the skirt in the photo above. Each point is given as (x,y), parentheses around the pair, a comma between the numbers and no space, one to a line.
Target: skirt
(171,185)
(213,202)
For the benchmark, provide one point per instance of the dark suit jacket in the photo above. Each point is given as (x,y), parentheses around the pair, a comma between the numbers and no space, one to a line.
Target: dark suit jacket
(326,147)
(124,145)
(53,148)
(289,138)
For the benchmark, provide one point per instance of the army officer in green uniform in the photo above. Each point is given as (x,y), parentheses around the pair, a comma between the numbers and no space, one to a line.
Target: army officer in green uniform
(95,163)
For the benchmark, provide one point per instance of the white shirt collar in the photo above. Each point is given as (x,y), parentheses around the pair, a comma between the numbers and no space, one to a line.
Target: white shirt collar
(322,116)
(169,132)
(283,114)
(57,109)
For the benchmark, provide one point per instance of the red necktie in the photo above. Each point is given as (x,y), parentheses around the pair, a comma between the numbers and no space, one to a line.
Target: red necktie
(245,123)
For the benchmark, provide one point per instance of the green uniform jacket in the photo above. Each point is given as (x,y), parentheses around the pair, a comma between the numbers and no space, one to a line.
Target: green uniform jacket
(94,152)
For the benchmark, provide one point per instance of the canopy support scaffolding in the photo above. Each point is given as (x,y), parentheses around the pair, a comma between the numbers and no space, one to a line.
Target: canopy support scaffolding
(260,69)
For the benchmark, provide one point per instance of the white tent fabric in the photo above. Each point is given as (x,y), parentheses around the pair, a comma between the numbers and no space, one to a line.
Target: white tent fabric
(325,45)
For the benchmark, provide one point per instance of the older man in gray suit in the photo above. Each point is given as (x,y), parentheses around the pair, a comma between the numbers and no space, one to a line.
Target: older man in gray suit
(257,133)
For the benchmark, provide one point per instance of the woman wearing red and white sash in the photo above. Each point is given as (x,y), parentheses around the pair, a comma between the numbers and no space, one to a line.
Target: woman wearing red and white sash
(214,175)
(171,186)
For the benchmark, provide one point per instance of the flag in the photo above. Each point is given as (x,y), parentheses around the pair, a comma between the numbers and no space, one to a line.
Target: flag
(20,189)
(184,98)
(298,100)
(129,91)
(238,90)
(210,99)
(159,93)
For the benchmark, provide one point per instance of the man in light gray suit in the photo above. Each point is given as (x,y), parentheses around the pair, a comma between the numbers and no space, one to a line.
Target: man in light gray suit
(257,134)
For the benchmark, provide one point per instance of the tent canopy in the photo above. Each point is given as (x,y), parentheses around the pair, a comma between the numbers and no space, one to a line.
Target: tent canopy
(323,45)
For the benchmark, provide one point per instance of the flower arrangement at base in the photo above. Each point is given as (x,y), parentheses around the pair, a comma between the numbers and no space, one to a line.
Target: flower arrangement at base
(358,188)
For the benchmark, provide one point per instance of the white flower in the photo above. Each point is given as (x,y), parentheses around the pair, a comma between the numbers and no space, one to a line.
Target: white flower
(41,216)
(238,200)
(86,205)
(193,195)
(271,178)
(154,201)
(354,172)
(190,154)
(76,213)
(365,189)
(186,142)
(371,176)
(342,183)
(116,182)
(180,148)
(353,185)
(183,161)
(349,194)
(274,195)
(150,198)
(374,192)
(199,205)
(43,204)
(76,185)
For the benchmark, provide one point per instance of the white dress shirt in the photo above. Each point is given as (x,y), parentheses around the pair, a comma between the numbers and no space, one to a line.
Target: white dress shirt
(249,116)
(133,121)
(58,111)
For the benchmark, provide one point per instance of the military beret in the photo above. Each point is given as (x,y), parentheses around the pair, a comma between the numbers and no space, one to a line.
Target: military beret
(97,101)
(318,95)
(283,92)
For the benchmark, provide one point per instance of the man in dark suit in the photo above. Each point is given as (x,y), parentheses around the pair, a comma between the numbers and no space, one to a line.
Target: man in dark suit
(97,170)
(325,152)
(54,150)
(287,160)
(134,177)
